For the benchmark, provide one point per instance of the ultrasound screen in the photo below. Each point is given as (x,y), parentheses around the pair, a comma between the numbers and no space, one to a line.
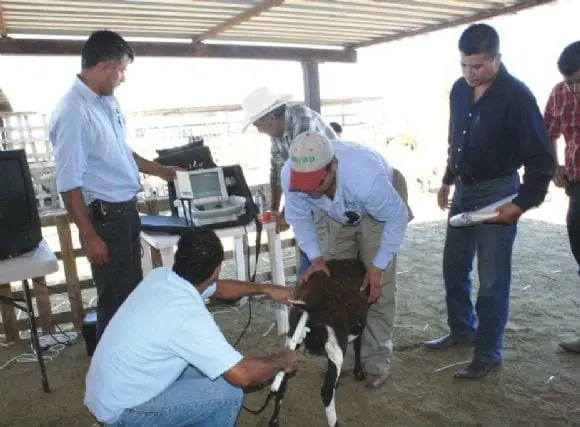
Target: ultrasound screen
(205,185)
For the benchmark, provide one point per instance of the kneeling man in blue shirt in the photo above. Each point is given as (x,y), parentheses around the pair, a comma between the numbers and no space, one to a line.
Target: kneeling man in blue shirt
(164,361)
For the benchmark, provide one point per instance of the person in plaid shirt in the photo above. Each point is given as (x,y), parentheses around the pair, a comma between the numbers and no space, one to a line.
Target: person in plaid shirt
(562,116)
(272,115)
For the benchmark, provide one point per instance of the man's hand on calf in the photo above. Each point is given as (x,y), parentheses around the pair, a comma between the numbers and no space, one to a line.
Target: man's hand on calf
(373,279)
(317,264)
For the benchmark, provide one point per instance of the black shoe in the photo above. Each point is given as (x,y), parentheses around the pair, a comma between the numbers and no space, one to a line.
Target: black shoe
(475,370)
(445,342)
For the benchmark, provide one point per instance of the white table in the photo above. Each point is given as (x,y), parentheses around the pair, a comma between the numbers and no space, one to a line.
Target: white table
(39,262)
(165,244)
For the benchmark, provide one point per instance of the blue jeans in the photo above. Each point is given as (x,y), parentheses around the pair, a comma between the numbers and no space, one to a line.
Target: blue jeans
(192,400)
(304,264)
(493,244)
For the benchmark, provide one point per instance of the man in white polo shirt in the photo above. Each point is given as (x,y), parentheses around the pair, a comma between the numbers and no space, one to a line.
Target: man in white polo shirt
(163,361)
(352,184)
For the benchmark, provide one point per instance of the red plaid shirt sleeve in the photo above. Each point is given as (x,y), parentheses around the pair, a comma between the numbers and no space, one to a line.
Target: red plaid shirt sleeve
(551,116)
(562,117)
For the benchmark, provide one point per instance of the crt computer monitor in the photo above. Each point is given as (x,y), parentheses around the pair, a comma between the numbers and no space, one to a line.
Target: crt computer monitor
(20,228)
(208,186)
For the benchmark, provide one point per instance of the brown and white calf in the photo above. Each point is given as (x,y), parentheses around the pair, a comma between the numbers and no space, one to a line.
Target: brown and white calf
(337,312)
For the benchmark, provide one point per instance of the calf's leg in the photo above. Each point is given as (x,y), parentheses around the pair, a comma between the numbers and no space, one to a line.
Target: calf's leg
(358,371)
(335,351)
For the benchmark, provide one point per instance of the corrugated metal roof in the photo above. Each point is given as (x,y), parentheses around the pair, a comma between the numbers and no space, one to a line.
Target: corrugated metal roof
(352,23)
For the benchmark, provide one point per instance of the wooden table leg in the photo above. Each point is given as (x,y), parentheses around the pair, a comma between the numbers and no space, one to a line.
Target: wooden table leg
(9,315)
(43,304)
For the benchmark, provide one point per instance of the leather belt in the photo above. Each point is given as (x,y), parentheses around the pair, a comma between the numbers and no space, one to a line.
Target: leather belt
(102,208)
(467,180)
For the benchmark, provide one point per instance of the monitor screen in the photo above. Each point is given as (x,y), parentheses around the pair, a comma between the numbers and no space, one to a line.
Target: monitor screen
(205,184)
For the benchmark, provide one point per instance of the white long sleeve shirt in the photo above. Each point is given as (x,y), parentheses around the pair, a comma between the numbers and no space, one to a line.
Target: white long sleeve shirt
(364,185)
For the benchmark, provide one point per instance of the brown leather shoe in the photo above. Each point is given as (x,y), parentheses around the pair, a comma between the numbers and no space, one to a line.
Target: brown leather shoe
(572,346)
(445,342)
(475,370)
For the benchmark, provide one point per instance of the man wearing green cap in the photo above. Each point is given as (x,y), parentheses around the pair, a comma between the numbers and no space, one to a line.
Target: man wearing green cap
(353,186)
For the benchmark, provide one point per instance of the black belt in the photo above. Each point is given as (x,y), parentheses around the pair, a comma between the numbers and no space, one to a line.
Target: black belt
(468,180)
(101,208)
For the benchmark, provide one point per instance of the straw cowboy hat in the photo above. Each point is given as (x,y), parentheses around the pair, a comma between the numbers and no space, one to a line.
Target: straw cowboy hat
(260,102)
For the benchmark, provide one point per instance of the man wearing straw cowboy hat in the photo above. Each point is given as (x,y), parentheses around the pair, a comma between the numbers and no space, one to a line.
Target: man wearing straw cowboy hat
(271,115)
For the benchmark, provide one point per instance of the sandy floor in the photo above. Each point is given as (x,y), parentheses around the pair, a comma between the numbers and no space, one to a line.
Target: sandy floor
(537,385)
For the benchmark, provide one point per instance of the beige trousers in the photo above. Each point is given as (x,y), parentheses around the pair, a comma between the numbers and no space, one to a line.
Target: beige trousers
(339,241)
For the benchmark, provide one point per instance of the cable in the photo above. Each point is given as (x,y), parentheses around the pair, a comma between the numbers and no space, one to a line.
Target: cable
(247,323)
(190,212)
(263,407)
(187,220)
(51,344)
(253,278)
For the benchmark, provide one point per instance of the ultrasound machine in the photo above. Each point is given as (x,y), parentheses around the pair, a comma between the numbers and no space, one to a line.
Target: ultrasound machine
(202,197)
(205,195)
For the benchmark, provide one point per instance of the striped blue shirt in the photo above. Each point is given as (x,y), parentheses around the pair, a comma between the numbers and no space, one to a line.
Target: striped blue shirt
(87,132)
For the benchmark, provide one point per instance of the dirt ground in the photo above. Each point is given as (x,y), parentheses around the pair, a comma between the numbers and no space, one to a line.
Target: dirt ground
(538,384)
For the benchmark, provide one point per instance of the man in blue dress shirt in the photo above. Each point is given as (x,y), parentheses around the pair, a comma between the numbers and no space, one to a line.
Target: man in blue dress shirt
(495,128)
(97,172)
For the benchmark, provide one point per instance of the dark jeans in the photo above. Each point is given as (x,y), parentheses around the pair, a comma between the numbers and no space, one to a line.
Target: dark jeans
(573,220)
(117,279)
(493,244)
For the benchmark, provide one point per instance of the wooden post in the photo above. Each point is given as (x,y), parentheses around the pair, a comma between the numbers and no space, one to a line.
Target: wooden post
(67,251)
(311,85)
(43,304)
(9,315)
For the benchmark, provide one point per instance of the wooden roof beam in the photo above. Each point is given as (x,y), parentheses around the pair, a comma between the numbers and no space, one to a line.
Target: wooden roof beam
(488,14)
(264,6)
(11,46)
